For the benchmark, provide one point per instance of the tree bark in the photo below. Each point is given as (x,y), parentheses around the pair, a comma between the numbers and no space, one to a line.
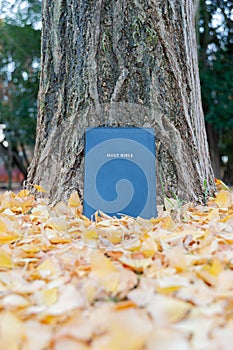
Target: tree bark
(120,63)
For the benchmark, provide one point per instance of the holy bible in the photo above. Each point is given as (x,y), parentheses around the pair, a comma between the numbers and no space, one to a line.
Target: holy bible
(119,174)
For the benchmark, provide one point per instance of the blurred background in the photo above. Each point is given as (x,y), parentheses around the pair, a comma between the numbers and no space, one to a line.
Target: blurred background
(20,29)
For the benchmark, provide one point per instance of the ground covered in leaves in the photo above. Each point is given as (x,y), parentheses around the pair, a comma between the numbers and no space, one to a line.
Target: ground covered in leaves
(115,284)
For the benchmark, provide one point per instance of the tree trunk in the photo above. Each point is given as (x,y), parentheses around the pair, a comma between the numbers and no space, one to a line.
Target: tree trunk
(120,63)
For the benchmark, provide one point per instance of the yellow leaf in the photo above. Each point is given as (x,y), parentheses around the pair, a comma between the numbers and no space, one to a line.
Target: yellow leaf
(148,253)
(149,247)
(124,339)
(62,240)
(47,268)
(128,330)
(126,304)
(58,223)
(15,301)
(90,234)
(40,189)
(31,248)
(105,271)
(169,224)
(227,217)
(12,331)
(5,260)
(228,237)
(166,310)
(23,193)
(169,284)
(68,343)
(223,199)
(134,245)
(74,200)
(41,212)
(210,273)
(110,283)
(115,237)
(167,290)
(50,296)
(69,298)
(215,268)
(3,227)
(176,258)
(101,265)
(135,264)
(9,238)
(213,215)
(38,335)
(221,185)
(75,204)
(167,338)
(61,209)
(207,277)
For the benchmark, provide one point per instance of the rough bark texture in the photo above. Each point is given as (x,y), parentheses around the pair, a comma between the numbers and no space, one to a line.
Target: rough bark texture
(119,63)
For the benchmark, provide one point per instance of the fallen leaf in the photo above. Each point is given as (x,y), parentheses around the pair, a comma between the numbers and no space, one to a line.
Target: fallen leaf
(69,344)
(48,268)
(37,335)
(101,265)
(135,264)
(110,284)
(74,200)
(167,310)
(40,189)
(5,260)
(12,331)
(221,185)
(169,224)
(50,296)
(14,301)
(124,305)
(167,339)
(223,199)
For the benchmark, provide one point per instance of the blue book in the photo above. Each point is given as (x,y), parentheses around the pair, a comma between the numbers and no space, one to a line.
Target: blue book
(120,175)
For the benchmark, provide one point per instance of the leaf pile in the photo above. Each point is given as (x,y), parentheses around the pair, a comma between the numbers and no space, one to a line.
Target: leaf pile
(115,284)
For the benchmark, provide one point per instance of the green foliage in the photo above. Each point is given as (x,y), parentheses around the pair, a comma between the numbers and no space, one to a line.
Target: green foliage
(21,13)
(217,92)
(216,70)
(19,71)
(215,60)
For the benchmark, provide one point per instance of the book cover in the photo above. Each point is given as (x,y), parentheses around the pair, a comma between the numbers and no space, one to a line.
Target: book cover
(119,176)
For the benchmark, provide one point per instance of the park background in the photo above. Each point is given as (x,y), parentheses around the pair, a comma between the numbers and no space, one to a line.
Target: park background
(67,282)
(20,31)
